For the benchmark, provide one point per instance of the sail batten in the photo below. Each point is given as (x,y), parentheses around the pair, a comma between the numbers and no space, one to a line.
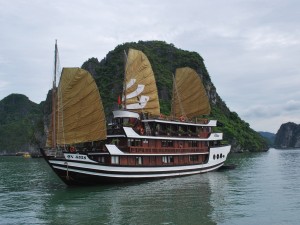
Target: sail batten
(189,95)
(140,94)
(79,116)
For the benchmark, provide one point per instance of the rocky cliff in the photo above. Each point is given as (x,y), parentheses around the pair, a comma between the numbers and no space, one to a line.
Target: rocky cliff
(288,136)
(165,58)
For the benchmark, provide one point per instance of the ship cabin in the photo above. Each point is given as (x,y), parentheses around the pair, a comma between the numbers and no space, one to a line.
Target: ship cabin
(136,139)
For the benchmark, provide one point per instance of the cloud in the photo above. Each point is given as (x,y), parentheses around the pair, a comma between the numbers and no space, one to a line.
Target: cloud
(251,48)
(3,85)
(272,124)
(270,110)
(292,105)
(266,37)
(271,116)
(261,111)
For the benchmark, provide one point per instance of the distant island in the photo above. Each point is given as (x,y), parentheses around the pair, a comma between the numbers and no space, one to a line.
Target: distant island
(269,137)
(23,123)
(288,136)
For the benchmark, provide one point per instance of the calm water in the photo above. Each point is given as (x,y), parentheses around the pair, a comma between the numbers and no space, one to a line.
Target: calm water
(263,189)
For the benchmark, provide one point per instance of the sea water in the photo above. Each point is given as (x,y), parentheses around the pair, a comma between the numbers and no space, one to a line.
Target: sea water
(264,188)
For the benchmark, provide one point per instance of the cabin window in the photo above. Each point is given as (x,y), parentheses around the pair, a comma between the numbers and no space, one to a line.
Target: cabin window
(134,142)
(193,144)
(145,142)
(157,129)
(153,160)
(181,144)
(194,158)
(164,159)
(138,142)
(101,159)
(115,141)
(115,160)
(125,121)
(166,143)
(168,159)
(192,130)
(138,160)
(132,121)
(117,123)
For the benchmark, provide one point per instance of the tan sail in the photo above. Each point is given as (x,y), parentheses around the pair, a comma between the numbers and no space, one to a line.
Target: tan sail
(79,116)
(141,91)
(189,95)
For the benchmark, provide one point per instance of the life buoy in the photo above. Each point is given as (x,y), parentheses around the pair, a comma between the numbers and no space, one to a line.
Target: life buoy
(72,149)
(141,131)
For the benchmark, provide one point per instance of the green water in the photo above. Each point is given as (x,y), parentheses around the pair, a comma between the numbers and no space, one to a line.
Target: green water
(263,189)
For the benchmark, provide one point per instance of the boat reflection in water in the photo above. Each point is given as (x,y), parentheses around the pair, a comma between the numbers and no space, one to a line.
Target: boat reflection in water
(184,200)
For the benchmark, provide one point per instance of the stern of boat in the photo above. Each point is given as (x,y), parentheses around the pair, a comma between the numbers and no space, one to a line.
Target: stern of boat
(218,155)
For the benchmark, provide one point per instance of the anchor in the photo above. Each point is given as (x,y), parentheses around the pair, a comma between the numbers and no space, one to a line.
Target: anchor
(67,176)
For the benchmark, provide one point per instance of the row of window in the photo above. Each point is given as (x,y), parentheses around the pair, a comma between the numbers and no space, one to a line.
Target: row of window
(218,156)
(164,143)
(180,128)
(139,159)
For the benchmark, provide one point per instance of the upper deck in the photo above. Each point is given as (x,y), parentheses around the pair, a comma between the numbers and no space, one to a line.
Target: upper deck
(125,116)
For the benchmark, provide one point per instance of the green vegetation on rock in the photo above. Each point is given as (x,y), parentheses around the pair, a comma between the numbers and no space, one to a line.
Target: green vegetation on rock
(165,58)
(237,132)
(19,121)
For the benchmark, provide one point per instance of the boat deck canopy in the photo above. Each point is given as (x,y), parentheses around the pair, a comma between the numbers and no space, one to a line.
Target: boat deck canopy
(125,114)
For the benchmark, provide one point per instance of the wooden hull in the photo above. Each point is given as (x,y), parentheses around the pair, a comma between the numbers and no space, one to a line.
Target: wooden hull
(80,172)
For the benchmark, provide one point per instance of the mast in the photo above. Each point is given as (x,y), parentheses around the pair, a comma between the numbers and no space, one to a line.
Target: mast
(53,144)
(125,84)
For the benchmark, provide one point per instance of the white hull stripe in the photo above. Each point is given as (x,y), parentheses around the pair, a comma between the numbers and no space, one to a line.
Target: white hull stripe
(131,169)
(143,175)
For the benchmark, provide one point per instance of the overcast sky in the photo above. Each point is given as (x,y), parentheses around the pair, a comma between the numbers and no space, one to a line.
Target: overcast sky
(251,48)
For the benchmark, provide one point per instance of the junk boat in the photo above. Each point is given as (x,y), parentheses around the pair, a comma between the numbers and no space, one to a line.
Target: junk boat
(139,142)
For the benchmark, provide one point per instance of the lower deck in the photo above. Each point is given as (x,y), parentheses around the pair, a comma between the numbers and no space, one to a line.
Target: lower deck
(149,160)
